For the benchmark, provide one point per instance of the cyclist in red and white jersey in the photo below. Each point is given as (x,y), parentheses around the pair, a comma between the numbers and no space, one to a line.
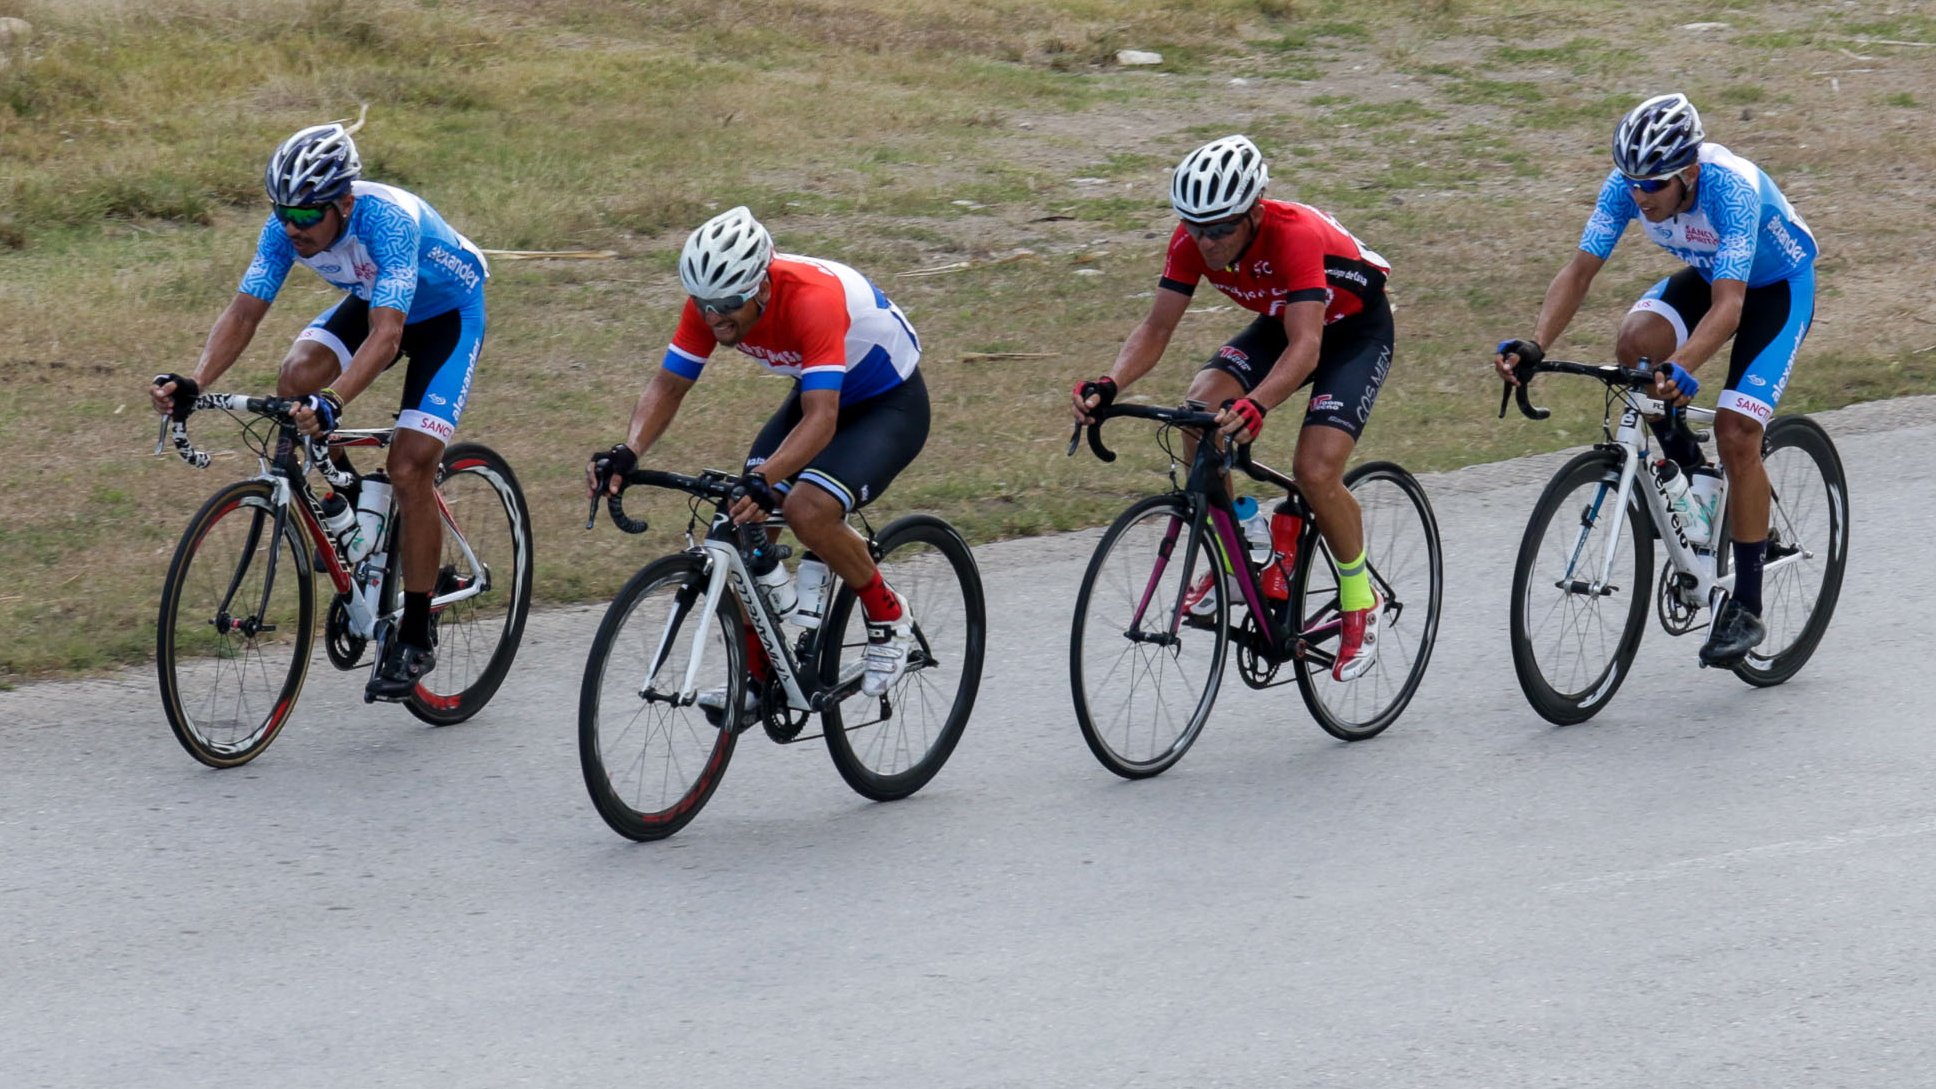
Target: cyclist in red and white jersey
(857,415)
(1322,320)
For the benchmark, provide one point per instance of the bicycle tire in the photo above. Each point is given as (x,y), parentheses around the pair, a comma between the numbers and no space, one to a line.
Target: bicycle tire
(1105,657)
(1402,550)
(657,602)
(206,672)
(478,637)
(885,759)
(1808,508)
(1541,607)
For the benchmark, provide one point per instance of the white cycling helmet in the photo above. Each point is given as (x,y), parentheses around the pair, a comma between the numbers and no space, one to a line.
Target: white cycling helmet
(726,256)
(315,166)
(1221,179)
(1659,136)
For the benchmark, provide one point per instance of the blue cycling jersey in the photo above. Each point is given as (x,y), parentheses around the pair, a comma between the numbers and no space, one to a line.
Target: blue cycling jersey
(396,252)
(1740,228)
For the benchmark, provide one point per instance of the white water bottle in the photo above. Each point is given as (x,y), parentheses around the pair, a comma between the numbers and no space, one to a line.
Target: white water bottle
(1704,496)
(338,515)
(810,589)
(777,585)
(1673,483)
(1256,525)
(372,516)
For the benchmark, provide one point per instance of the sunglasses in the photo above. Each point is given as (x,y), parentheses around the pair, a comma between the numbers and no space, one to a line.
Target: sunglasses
(1215,232)
(1652,185)
(301,217)
(727,304)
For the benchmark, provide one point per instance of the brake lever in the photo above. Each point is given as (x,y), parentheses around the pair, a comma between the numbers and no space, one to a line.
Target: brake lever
(1075,439)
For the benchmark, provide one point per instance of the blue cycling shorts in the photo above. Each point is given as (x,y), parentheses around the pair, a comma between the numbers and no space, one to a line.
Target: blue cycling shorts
(1774,321)
(443,358)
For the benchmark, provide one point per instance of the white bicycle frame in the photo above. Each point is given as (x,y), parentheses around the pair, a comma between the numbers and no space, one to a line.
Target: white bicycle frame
(726,569)
(1693,561)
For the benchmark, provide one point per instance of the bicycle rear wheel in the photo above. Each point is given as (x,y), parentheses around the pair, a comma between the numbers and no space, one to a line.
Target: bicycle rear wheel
(1808,516)
(487,541)
(1144,684)
(650,760)
(1571,647)
(887,747)
(237,619)
(1407,570)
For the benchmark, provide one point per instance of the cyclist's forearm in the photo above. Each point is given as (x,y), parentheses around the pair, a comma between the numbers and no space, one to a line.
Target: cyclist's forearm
(658,404)
(1720,322)
(1563,299)
(227,341)
(375,354)
(808,437)
(1139,355)
(1287,374)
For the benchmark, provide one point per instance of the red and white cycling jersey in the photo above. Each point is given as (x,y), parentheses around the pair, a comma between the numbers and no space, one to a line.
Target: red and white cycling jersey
(1300,254)
(824,324)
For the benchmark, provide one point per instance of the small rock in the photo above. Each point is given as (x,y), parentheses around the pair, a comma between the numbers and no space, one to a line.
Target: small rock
(15,32)
(1134,57)
(1088,181)
(1238,81)
(1088,272)
(1704,26)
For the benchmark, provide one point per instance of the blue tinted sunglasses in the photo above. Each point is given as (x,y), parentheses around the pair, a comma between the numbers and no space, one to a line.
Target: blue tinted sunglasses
(1652,185)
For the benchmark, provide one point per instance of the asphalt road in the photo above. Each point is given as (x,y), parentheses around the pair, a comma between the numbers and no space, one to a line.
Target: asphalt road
(1707,885)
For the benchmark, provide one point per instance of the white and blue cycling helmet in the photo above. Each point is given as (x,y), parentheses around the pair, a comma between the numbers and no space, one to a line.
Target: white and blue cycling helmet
(315,166)
(1657,137)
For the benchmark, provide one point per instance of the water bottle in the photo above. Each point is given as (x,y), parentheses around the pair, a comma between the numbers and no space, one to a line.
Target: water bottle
(1257,530)
(1286,525)
(338,516)
(372,516)
(810,590)
(776,585)
(1704,495)
(1673,483)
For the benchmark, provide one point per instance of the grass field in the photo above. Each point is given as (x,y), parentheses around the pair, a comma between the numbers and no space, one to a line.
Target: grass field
(1463,139)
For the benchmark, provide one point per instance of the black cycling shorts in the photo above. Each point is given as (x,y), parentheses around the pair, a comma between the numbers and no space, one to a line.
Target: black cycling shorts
(1353,359)
(873,441)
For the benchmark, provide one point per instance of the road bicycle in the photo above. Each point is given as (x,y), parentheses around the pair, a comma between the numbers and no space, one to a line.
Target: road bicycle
(661,707)
(1584,573)
(238,607)
(1145,671)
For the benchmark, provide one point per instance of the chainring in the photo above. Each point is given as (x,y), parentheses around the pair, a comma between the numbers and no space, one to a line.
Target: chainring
(345,650)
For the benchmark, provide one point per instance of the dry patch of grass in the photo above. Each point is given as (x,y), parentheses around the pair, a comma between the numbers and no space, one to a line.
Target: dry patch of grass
(1459,137)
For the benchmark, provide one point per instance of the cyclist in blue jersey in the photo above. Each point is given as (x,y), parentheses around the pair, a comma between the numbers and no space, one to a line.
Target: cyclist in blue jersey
(415,288)
(1750,275)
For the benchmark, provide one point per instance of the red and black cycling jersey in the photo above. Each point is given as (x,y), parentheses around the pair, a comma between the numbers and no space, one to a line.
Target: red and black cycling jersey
(1299,254)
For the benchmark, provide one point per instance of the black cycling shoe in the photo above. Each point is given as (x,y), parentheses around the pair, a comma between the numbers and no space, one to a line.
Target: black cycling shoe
(404,665)
(1734,633)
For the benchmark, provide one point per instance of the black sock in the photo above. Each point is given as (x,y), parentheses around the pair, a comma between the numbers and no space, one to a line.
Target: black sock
(1677,443)
(1747,573)
(415,628)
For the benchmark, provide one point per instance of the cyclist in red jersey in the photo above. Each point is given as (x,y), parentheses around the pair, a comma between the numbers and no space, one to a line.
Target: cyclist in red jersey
(857,416)
(1323,320)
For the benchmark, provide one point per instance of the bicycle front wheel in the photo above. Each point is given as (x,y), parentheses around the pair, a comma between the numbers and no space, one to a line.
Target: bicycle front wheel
(1145,673)
(1407,570)
(487,544)
(650,756)
(1808,547)
(1573,642)
(889,746)
(237,619)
